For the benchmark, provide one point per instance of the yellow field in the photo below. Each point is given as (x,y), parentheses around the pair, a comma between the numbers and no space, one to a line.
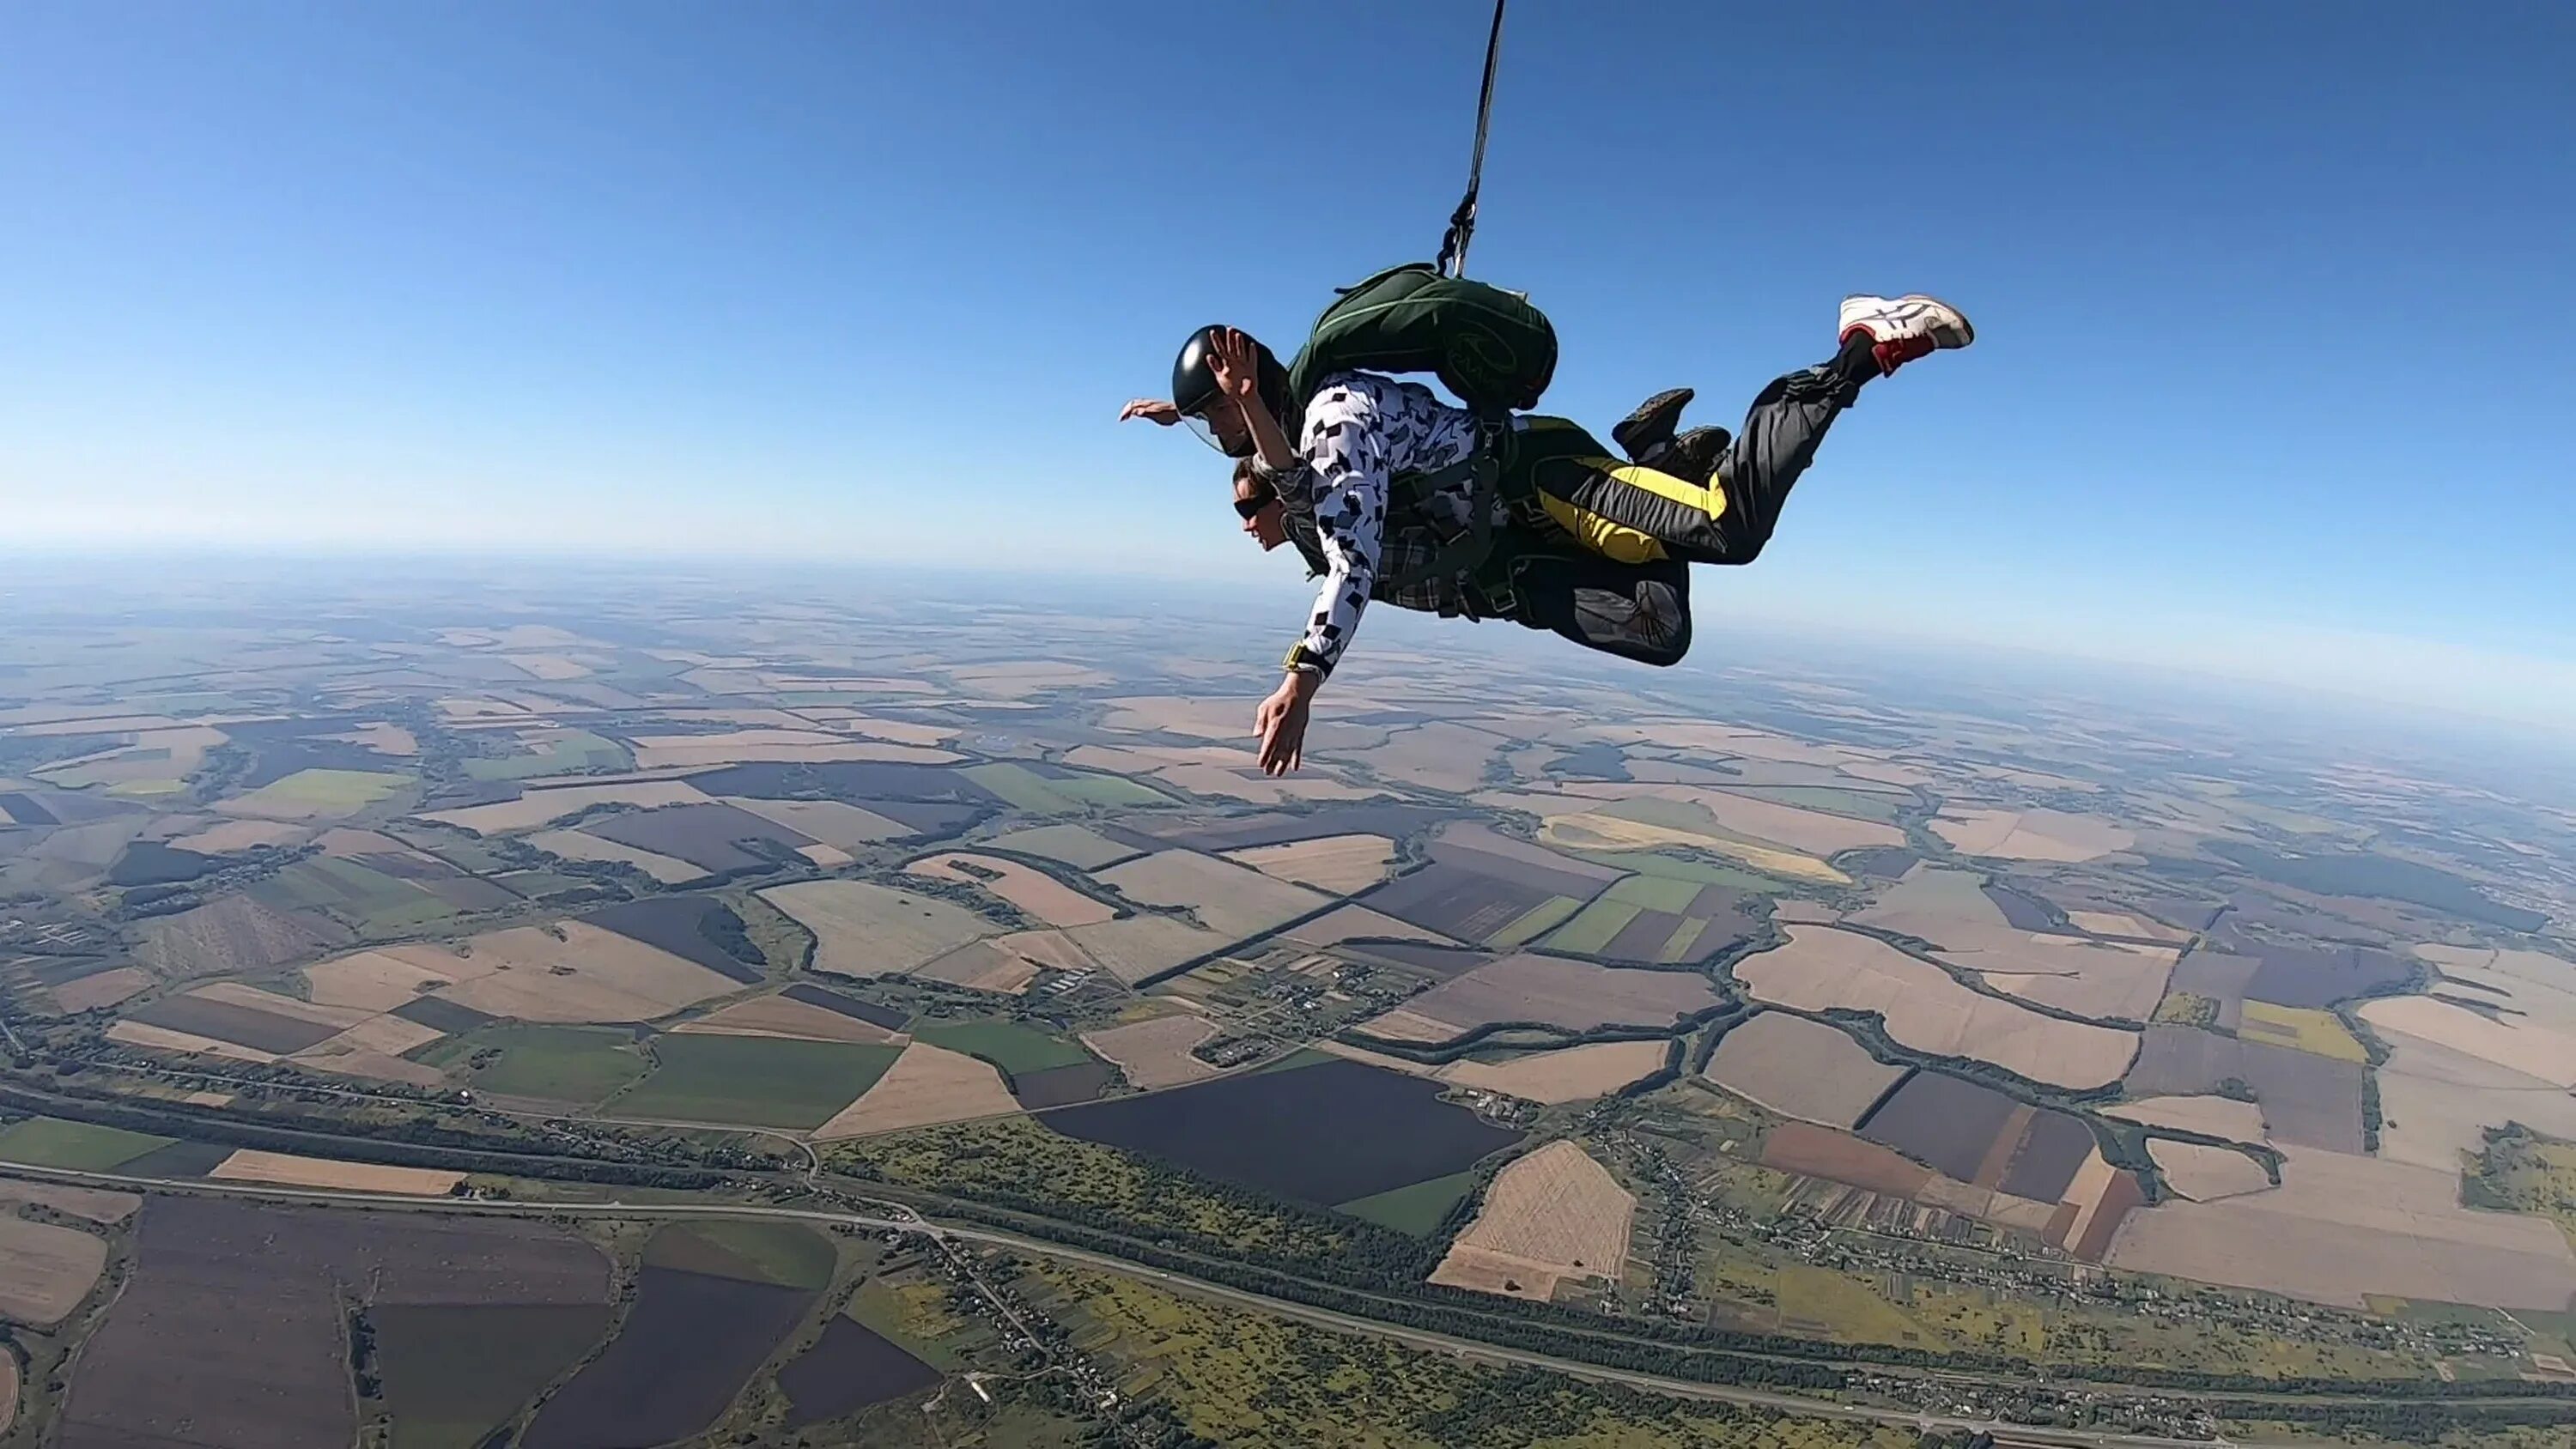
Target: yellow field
(1337,864)
(2315,1032)
(1156,1053)
(779,1016)
(1573,1074)
(246,1165)
(48,1269)
(545,807)
(926,1086)
(583,973)
(1033,891)
(868,930)
(2048,835)
(1552,1215)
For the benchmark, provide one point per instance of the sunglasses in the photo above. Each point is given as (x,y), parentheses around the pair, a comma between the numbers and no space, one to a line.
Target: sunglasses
(1248,509)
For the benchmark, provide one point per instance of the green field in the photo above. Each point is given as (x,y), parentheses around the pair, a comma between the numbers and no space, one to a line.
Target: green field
(1602,920)
(359,892)
(1534,920)
(562,1063)
(76,1146)
(453,1374)
(1014,1048)
(326,791)
(1026,789)
(778,1253)
(572,750)
(1417,1209)
(1655,893)
(754,1081)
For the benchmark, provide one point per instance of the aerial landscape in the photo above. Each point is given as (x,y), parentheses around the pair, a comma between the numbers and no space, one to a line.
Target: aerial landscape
(571,1016)
(824,725)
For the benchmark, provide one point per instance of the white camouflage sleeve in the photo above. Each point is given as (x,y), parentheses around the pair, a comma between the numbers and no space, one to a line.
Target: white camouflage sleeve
(1347,457)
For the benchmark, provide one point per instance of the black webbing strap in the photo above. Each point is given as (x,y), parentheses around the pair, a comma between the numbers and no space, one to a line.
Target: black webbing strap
(1462,222)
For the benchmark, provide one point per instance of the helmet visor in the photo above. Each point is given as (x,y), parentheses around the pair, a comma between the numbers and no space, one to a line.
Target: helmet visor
(1232,439)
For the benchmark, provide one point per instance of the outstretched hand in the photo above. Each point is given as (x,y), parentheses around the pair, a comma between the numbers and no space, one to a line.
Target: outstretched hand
(1281,722)
(1235,365)
(1153,410)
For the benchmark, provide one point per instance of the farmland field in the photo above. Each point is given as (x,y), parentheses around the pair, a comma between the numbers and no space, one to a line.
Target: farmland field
(582,845)
(1575,995)
(1282,1131)
(708,836)
(1335,864)
(454,1372)
(1801,1068)
(2317,1032)
(702,929)
(1232,900)
(755,1081)
(1416,1210)
(2307,1100)
(558,1063)
(926,1085)
(230,934)
(265,1281)
(849,1368)
(563,752)
(1071,845)
(1822,968)
(536,808)
(567,972)
(48,1269)
(1941,1120)
(687,1348)
(318,794)
(1008,1045)
(1156,1053)
(2327,1233)
(81,1146)
(1551,1215)
(1466,905)
(1569,1074)
(1040,895)
(868,930)
(786,1016)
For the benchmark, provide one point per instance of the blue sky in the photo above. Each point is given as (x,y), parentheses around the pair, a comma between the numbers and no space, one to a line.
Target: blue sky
(2271,379)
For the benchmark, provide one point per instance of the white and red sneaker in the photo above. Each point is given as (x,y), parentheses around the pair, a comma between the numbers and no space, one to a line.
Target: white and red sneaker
(1904,328)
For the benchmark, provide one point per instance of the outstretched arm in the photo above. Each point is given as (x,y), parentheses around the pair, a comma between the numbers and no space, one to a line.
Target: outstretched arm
(1153,410)
(1348,461)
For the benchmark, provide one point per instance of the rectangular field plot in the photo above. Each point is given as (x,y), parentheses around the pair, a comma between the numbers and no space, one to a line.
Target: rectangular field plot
(754,1081)
(1070,845)
(1944,1121)
(1289,1132)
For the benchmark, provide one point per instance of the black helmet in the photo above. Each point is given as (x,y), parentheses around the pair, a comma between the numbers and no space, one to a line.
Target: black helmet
(1194,386)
